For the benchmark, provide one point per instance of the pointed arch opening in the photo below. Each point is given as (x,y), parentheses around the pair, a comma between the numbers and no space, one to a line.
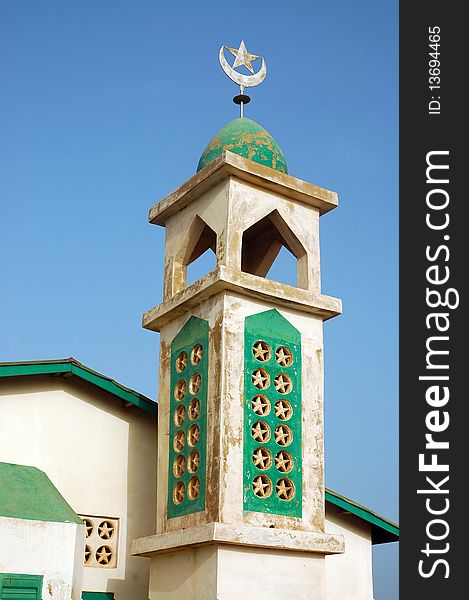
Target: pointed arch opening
(200,255)
(271,250)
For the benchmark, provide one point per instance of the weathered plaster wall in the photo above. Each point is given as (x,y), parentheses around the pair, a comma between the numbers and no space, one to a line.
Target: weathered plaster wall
(185,575)
(99,455)
(223,572)
(225,313)
(54,550)
(349,575)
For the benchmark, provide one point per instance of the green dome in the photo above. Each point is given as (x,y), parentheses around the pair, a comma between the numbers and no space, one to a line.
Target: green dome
(248,139)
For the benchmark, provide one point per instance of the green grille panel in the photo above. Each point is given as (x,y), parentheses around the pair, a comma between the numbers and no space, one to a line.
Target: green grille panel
(188,419)
(272,415)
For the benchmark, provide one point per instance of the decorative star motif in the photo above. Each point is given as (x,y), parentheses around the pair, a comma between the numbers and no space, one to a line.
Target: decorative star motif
(260,405)
(88,527)
(197,354)
(179,415)
(194,461)
(178,494)
(261,351)
(283,410)
(260,379)
(261,458)
(194,409)
(282,383)
(243,58)
(180,390)
(284,489)
(195,382)
(179,441)
(284,356)
(179,465)
(105,530)
(194,488)
(103,555)
(260,431)
(282,435)
(283,462)
(261,486)
(193,435)
(181,362)
(87,553)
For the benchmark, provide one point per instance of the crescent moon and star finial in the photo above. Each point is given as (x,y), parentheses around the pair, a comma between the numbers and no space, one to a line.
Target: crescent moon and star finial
(242,59)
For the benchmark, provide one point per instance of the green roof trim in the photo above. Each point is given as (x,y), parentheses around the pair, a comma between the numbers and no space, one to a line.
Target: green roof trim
(382,530)
(27,493)
(74,367)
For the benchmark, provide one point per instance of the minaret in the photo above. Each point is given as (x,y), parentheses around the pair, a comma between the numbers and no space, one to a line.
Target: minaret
(240,507)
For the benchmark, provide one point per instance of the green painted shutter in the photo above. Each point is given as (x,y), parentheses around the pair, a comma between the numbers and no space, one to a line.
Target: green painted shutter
(20,587)
(97,596)
(20,593)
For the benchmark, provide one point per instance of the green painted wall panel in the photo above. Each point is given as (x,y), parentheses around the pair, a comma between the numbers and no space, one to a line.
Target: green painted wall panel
(188,419)
(272,415)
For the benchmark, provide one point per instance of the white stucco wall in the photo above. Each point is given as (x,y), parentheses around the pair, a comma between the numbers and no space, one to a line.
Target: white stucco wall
(53,550)
(100,456)
(349,576)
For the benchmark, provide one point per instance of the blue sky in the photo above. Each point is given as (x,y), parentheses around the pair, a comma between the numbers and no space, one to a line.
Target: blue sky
(106,107)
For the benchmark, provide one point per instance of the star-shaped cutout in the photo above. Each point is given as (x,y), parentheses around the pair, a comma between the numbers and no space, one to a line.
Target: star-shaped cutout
(283,410)
(260,431)
(194,409)
(261,486)
(261,458)
(103,555)
(282,435)
(261,351)
(178,494)
(284,357)
(282,383)
(197,354)
(178,467)
(193,435)
(179,440)
(195,382)
(88,527)
(260,405)
(284,489)
(243,58)
(260,379)
(194,461)
(181,362)
(283,462)
(105,530)
(180,390)
(179,415)
(194,488)
(87,553)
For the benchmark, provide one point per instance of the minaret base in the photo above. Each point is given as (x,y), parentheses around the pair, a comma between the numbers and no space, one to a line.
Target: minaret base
(226,562)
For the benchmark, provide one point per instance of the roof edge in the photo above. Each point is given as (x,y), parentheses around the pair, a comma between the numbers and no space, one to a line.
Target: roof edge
(382,530)
(73,366)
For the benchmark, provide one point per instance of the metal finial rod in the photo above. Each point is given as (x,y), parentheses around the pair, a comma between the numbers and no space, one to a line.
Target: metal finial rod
(242,58)
(241,99)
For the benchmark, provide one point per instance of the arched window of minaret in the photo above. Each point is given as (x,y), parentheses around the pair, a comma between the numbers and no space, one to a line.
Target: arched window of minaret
(200,256)
(265,242)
